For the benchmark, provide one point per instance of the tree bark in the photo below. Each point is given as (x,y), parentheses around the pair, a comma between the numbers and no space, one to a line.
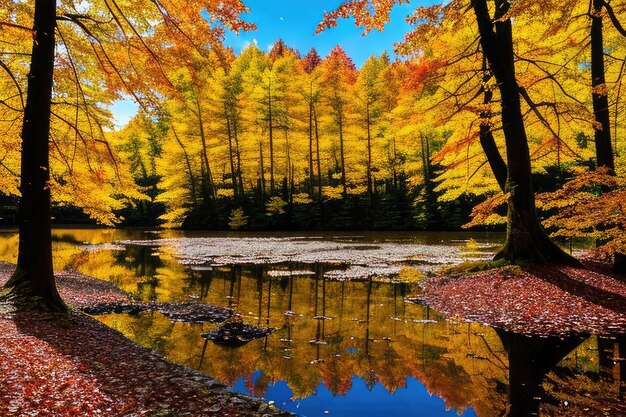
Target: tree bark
(368,122)
(602,125)
(192,178)
(342,157)
(34,276)
(238,155)
(526,240)
(207,178)
(317,154)
(231,157)
(600,100)
(487,141)
(270,122)
(311,174)
(262,168)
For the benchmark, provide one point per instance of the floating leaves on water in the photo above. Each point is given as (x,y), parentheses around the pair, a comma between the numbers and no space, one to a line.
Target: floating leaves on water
(285,273)
(360,258)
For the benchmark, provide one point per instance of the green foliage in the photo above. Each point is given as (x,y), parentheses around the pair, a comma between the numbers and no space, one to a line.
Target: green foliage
(275,206)
(238,219)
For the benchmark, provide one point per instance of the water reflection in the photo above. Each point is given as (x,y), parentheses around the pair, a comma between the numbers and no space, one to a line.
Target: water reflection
(348,347)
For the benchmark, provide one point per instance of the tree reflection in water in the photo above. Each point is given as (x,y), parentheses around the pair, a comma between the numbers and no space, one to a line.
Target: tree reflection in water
(349,341)
(378,355)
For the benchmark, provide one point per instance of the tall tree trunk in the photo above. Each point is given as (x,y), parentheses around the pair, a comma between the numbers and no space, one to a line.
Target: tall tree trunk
(289,164)
(487,141)
(209,185)
(231,157)
(395,162)
(192,178)
(262,171)
(600,100)
(342,157)
(311,175)
(602,125)
(317,154)
(368,122)
(238,155)
(34,275)
(526,239)
(271,133)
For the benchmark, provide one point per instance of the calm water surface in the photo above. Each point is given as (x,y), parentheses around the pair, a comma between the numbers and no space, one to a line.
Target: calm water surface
(346,341)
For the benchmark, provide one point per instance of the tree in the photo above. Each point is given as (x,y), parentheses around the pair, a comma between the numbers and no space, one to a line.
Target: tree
(339,75)
(526,239)
(370,88)
(34,275)
(127,31)
(311,93)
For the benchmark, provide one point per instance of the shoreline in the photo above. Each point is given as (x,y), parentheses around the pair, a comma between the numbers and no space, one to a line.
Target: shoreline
(75,365)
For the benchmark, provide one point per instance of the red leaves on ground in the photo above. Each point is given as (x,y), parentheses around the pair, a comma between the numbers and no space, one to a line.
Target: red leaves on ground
(75,366)
(77,289)
(545,300)
(78,366)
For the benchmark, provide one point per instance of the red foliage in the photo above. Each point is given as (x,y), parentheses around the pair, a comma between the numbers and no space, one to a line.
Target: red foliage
(545,300)
(76,366)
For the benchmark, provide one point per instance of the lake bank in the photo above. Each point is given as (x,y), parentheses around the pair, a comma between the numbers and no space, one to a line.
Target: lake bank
(74,365)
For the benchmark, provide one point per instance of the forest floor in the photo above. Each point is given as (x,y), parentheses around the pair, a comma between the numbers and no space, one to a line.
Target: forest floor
(72,365)
(543,300)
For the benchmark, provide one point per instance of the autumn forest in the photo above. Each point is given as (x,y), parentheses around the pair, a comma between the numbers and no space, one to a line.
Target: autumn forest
(290,139)
(475,166)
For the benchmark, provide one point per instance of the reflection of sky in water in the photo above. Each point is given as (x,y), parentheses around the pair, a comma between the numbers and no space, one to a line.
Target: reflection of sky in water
(414,400)
(429,364)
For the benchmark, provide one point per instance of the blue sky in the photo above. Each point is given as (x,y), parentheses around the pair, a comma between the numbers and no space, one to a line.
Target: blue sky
(294,21)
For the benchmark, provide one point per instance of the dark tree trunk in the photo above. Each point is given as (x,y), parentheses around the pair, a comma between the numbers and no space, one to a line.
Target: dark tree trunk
(368,122)
(602,125)
(526,239)
(262,168)
(600,100)
(312,119)
(238,155)
(231,158)
(487,141)
(317,155)
(34,275)
(270,122)
(311,174)
(192,178)
(208,185)
(342,157)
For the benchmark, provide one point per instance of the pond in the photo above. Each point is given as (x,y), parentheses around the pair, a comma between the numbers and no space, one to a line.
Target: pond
(346,341)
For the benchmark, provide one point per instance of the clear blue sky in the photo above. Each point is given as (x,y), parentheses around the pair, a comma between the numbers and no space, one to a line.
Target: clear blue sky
(294,21)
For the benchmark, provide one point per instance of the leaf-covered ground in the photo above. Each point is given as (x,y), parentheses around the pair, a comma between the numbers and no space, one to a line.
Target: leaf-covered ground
(96,297)
(75,366)
(541,300)
(78,290)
